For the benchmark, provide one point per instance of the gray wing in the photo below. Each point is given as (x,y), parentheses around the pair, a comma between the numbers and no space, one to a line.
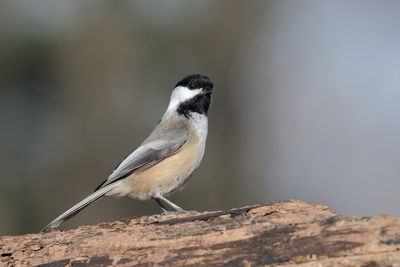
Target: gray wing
(165,140)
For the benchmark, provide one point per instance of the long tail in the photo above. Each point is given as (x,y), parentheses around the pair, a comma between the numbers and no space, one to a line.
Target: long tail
(78,207)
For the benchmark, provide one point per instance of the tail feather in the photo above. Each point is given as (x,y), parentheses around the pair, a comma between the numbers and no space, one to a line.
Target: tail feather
(78,207)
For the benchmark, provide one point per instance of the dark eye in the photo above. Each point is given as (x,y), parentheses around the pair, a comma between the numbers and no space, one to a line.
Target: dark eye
(191,85)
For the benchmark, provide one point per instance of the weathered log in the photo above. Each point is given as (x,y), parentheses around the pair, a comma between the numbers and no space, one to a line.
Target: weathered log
(287,233)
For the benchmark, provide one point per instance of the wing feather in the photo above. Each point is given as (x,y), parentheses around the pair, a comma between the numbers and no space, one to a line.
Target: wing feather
(165,140)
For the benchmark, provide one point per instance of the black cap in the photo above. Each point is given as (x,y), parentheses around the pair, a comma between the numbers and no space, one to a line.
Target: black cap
(196,81)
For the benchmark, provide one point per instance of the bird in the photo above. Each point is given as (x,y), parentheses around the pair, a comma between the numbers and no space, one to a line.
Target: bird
(166,160)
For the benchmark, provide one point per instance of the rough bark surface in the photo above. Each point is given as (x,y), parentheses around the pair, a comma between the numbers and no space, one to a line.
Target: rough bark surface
(285,234)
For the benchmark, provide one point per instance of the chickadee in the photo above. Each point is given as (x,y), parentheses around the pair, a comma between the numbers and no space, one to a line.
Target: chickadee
(167,158)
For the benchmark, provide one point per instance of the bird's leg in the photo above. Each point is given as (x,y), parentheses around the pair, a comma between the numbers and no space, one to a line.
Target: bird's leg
(164,209)
(176,207)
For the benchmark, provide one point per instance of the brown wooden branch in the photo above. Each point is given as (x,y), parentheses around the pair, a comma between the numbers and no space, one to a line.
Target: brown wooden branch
(286,233)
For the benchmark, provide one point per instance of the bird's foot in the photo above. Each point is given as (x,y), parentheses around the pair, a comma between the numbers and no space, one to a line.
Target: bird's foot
(167,212)
(188,211)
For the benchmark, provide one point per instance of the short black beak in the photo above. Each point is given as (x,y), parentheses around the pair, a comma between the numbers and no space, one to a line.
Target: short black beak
(207,91)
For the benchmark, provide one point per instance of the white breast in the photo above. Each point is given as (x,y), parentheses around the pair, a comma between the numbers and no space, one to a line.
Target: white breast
(200,125)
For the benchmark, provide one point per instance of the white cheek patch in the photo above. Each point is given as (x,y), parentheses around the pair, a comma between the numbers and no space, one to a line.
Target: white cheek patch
(179,95)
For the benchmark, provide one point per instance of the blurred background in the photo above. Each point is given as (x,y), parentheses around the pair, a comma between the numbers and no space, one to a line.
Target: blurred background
(306,103)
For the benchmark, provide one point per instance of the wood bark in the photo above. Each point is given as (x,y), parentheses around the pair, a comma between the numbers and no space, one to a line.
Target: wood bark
(289,233)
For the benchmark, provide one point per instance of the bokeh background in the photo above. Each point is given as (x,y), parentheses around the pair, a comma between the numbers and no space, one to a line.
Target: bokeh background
(306,103)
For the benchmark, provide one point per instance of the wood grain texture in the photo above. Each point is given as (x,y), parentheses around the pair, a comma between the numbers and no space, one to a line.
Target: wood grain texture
(289,233)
